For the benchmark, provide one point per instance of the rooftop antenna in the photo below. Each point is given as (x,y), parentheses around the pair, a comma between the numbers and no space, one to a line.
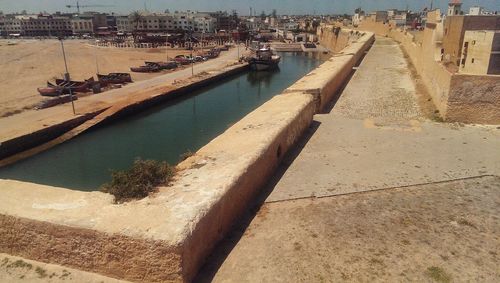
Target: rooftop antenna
(432,4)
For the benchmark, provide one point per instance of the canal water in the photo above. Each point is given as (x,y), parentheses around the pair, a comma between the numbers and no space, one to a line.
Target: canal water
(163,132)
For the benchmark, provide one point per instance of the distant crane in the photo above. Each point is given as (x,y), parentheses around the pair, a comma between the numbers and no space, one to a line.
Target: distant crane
(78,6)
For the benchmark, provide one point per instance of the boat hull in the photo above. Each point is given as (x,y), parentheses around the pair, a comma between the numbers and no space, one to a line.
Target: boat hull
(263,65)
(49,91)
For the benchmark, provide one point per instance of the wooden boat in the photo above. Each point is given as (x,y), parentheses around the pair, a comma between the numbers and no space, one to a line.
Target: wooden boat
(162,65)
(145,69)
(74,86)
(50,91)
(264,59)
(126,76)
(114,78)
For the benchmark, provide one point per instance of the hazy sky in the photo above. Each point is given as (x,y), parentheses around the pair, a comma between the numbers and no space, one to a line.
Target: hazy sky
(242,6)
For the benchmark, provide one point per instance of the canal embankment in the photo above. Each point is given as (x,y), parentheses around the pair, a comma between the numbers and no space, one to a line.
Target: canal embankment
(162,132)
(167,236)
(23,144)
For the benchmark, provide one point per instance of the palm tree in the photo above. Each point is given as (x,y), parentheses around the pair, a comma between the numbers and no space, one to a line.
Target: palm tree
(307,25)
(136,17)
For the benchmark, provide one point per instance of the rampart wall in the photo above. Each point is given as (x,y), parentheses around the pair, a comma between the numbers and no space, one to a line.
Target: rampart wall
(444,86)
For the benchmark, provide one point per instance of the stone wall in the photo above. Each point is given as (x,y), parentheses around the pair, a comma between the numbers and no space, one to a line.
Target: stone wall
(440,82)
(335,38)
(474,96)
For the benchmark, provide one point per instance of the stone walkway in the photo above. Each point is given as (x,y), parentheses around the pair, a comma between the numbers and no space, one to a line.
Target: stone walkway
(376,193)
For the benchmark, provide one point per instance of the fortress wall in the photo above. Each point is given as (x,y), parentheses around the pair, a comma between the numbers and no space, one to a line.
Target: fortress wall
(479,104)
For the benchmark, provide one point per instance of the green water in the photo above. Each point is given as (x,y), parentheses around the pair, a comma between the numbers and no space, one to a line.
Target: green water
(163,132)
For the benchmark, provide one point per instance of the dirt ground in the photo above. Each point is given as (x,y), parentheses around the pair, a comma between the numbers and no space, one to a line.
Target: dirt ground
(31,63)
(16,269)
(444,232)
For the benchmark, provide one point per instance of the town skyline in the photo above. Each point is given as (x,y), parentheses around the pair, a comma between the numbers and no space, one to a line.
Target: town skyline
(242,7)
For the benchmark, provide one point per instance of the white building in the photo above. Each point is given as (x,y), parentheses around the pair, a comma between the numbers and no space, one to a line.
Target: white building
(43,25)
(454,8)
(81,25)
(476,11)
(123,24)
(10,26)
(160,22)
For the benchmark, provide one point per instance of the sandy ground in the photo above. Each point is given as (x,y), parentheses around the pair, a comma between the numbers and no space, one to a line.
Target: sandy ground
(16,269)
(445,232)
(31,63)
(30,121)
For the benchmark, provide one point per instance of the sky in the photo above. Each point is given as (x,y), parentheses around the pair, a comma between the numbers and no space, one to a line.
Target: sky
(242,6)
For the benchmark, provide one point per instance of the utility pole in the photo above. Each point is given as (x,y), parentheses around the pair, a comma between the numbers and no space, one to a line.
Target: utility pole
(238,41)
(191,48)
(202,47)
(66,75)
(166,47)
(95,54)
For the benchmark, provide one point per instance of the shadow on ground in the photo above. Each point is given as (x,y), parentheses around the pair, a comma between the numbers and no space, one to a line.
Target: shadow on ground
(224,248)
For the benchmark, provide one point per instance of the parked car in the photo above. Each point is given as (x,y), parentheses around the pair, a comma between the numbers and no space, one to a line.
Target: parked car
(200,58)
(181,59)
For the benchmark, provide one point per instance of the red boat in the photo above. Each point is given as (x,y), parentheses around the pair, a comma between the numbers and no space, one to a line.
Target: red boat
(74,86)
(50,91)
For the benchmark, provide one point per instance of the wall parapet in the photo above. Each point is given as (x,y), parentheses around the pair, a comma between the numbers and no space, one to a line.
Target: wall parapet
(445,87)
(326,80)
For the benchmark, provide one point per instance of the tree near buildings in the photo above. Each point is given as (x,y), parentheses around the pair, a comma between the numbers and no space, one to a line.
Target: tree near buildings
(274,14)
(263,15)
(315,24)
(136,18)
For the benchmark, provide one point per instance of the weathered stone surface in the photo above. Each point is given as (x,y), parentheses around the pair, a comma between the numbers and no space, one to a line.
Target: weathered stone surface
(326,80)
(474,99)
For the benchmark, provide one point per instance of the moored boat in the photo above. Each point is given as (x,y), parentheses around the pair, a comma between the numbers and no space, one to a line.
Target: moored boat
(264,59)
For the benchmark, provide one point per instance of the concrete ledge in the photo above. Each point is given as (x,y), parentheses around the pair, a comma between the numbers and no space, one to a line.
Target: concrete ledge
(326,80)
(21,143)
(164,237)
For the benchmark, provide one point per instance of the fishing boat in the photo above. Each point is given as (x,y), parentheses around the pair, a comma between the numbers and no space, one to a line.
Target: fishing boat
(63,87)
(74,86)
(264,59)
(114,78)
(162,65)
(51,91)
(145,69)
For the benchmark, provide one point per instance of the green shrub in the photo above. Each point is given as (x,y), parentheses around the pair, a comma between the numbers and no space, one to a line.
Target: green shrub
(139,181)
